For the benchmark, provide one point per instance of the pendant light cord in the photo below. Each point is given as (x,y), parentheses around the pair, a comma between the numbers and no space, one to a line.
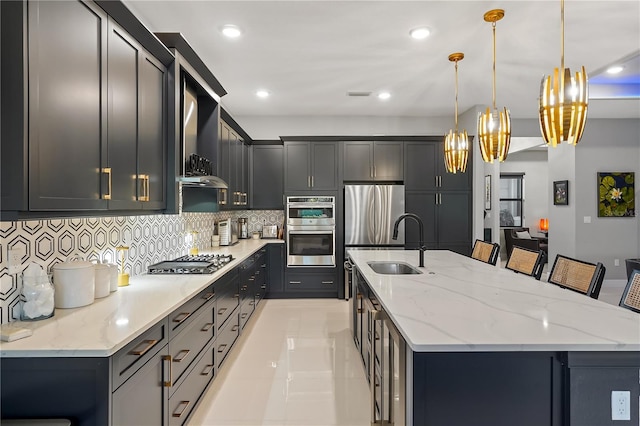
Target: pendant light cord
(493,25)
(456,97)
(562,35)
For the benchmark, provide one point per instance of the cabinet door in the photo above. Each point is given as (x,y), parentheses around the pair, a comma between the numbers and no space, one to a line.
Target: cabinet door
(122,121)
(388,161)
(152,140)
(424,205)
(142,399)
(420,171)
(296,162)
(275,277)
(358,161)
(454,221)
(453,181)
(244,199)
(268,177)
(324,159)
(224,164)
(67,105)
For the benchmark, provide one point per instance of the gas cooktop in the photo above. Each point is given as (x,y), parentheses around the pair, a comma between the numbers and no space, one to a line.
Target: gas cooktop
(192,264)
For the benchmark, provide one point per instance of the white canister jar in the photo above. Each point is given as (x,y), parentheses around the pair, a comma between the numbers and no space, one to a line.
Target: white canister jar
(74,283)
(102,280)
(113,277)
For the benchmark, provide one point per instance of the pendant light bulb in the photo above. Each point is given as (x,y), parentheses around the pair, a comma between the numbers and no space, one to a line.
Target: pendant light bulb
(494,127)
(456,144)
(563,101)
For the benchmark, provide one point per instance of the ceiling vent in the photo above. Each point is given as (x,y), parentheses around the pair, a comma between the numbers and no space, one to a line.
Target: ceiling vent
(358,94)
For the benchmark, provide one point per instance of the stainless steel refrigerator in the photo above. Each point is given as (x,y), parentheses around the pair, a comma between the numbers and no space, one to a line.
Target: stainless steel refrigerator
(370,212)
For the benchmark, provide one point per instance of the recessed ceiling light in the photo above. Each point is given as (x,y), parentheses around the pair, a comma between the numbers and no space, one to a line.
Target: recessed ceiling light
(615,69)
(262,94)
(420,33)
(384,95)
(231,31)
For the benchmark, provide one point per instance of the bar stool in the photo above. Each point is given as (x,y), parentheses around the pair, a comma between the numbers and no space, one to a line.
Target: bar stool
(485,252)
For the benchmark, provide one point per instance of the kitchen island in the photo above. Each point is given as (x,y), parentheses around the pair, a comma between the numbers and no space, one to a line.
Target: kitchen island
(142,355)
(485,345)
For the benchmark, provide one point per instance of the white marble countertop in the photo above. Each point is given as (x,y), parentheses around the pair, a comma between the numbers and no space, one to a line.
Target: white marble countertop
(107,325)
(461,304)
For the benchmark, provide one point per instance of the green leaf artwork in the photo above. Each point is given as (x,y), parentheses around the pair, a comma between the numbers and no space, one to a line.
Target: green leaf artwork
(616,194)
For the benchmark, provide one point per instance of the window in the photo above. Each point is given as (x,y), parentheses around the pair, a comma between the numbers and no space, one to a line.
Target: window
(511,199)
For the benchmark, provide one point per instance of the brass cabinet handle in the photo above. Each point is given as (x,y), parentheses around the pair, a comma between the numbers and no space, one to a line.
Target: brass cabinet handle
(184,353)
(312,184)
(107,170)
(183,405)
(146,345)
(168,383)
(252,302)
(222,311)
(295,282)
(209,295)
(360,310)
(243,316)
(235,328)
(223,197)
(181,317)
(375,171)
(207,370)
(264,287)
(145,187)
(236,295)
(221,348)
(264,265)
(207,326)
(359,296)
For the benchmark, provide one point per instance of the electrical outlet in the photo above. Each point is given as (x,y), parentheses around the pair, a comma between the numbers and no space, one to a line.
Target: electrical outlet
(616,262)
(620,405)
(15,260)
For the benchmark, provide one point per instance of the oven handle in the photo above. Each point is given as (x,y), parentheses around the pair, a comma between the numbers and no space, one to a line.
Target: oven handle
(310,205)
(329,231)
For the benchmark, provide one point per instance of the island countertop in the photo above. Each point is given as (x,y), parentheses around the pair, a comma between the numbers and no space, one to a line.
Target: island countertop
(460,304)
(102,328)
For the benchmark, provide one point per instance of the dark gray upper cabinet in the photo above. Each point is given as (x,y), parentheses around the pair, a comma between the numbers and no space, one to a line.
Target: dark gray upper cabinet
(87,106)
(267,177)
(310,166)
(425,168)
(66,137)
(373,161)
(233,164)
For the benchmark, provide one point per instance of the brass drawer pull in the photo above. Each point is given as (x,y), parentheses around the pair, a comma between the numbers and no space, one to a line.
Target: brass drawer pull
(235,328)
(264,287)
(185,352)
(168,358)
(209,295)
(207,370)
(183,405)
(222,311)
(295,282)
(221,348)
(252,302)
(327,282)
(244,315)
(360,310)
(107,170)
(146,345)
(207,326)
(181,317)
(236,295)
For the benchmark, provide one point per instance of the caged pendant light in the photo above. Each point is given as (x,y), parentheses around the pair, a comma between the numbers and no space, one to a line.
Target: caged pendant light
(563,101)
(494,127)
(456,144)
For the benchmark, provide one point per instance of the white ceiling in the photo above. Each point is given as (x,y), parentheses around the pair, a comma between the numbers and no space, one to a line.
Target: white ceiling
(309,54)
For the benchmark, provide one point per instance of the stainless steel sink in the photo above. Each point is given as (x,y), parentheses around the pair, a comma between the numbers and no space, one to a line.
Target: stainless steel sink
(393,268)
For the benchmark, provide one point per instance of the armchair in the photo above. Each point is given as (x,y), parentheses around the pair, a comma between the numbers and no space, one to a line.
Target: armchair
(511,239)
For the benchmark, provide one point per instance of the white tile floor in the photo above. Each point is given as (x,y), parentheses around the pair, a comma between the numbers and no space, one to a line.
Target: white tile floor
(295,364)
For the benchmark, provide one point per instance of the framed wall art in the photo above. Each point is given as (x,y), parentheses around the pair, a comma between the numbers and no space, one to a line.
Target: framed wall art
(561,192)
(616,194)
(487,192)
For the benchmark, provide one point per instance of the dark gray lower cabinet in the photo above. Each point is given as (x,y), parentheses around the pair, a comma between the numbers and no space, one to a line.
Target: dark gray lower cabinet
(312,282)
(275,276)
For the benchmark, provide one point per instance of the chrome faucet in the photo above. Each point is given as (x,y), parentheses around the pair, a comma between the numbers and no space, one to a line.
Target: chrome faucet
(415,217)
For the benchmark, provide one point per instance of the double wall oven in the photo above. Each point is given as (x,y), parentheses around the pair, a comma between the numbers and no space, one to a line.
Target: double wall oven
(311,231)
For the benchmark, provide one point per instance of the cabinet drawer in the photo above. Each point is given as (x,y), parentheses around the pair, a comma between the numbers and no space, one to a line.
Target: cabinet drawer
(186,345)
(246,309)
(226,337)
(302,282)
(185,313)
(226,303)
(133,356)
(187,394)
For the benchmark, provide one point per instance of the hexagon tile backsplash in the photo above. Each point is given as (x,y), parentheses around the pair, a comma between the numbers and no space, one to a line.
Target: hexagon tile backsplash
(151,239)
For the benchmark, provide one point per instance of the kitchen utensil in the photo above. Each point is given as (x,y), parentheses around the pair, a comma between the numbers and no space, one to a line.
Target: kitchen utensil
(74,283)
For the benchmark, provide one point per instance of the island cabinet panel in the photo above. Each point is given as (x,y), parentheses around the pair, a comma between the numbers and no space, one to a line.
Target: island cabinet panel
(373,161)
(497,389)
(275,274)
(267,177)
(310,166)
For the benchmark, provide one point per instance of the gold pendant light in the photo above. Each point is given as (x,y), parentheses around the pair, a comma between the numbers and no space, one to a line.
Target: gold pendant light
(456,144)
(563,101)
(494,127)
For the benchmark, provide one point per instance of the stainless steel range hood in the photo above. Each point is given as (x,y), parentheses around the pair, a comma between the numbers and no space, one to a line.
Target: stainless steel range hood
(203,181)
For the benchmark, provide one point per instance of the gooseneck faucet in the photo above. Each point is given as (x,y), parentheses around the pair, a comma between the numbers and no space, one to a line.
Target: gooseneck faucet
(421,230)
